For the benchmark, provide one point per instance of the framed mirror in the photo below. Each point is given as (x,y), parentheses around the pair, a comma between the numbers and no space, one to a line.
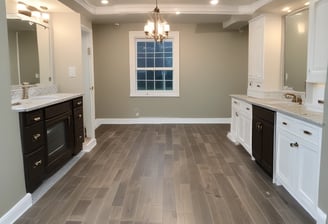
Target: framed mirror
(296,41)
(29,51)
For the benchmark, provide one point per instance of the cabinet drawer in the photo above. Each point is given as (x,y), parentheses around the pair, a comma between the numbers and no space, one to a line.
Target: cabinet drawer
(34,169)
(235,102)
(78,102)
(33,137)
(32,117)
(307,132)
(58,109)
(246,108)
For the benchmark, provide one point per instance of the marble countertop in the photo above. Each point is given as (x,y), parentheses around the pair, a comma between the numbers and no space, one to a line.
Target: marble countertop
(37,102)
(287,107)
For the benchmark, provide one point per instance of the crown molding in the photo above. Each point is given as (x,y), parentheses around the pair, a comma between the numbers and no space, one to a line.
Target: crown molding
(172,8)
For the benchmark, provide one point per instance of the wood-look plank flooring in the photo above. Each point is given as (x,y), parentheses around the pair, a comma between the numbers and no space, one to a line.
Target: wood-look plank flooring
(165,174)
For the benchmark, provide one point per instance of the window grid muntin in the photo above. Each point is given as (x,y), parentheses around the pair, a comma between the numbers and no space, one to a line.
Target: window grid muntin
(148,64)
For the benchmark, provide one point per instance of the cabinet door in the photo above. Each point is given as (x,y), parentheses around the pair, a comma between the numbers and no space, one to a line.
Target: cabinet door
(257,136)
(267,146)
(318,45)
(244,132)
(234,123)
(308,168)
(286,157)
(256,51)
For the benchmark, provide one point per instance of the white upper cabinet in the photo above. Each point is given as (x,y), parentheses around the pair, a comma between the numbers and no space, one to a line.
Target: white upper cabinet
(264,59)
(318,42)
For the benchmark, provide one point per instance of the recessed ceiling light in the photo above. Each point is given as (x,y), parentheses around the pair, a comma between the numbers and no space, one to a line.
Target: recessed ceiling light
(104,2)
(286,9)
(307,3)
(214,2)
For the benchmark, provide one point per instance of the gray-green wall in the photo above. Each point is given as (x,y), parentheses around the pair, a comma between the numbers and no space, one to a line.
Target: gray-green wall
(213,64)
(323,182)
(12,187)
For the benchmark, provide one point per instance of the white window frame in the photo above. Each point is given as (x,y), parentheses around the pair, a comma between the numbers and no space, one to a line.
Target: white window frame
(174,36)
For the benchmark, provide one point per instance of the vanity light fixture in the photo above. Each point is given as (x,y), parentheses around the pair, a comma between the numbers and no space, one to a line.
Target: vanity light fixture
(33,14)
(157,28)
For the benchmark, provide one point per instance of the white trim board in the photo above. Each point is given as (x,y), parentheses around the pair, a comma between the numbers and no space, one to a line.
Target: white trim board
(162,120)
(17,210)
(321,216)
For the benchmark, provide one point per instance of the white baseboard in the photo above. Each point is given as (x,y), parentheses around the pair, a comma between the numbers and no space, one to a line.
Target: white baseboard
(87,147)
(162,120)
(19,208)
(321,216)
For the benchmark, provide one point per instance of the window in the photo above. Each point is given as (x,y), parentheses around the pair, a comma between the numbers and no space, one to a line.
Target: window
(154,67)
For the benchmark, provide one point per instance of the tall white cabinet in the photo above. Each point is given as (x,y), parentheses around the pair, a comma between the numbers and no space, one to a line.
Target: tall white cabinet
(264,55)
(317,53)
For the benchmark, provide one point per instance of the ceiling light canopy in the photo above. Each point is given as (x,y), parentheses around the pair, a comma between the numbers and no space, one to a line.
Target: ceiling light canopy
(157,28)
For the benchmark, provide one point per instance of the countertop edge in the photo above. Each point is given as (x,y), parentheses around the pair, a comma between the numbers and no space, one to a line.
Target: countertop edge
(46,102)
(252,100)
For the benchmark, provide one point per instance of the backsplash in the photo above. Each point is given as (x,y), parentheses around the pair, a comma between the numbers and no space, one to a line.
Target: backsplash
(17,92)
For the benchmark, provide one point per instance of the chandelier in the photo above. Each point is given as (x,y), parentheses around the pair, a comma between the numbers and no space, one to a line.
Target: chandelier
(157,28)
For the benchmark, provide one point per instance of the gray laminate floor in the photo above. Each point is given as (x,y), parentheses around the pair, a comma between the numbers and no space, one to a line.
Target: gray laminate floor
(184,174)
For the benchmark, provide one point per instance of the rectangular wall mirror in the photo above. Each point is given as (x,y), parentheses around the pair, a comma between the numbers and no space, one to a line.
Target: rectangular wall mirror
(29,50)
(296,42)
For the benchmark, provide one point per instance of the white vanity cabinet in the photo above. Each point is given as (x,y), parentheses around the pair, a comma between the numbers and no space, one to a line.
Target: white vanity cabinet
(318,44)
(241,124)
(298,146)
(264,55)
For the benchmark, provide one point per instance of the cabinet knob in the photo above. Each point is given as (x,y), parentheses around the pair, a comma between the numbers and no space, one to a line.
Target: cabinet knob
(237,114)
(295,144)
(79,103)
(37,118)
(258,85)
(37,163)
(247,108)
(80,115)
(235,102)
(284,123)
(259,126)
(36,136)
(80,136)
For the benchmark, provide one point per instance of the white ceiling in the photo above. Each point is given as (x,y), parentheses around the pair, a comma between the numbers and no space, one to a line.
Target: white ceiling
(228,12)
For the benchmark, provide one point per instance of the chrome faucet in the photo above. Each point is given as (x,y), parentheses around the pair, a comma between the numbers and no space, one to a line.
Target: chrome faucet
(294,97)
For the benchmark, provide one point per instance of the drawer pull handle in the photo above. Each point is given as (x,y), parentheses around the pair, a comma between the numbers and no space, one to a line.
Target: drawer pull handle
(80,115)
(36,136)
(79,103)
(235,102)
(307,132)
(258,86)
(295,144)
(37,118)
(237,114)
(37,163)
(284,123)
(247,108)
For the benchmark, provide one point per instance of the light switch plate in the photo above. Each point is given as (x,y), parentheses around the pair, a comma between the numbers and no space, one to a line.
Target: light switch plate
(71,71)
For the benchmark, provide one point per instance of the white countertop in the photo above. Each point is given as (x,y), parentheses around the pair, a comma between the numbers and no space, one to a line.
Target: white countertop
(37,102)
(292,109)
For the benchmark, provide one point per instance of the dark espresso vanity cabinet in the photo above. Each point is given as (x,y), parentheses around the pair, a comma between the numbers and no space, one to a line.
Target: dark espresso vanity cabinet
(50,137)
(263,137)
